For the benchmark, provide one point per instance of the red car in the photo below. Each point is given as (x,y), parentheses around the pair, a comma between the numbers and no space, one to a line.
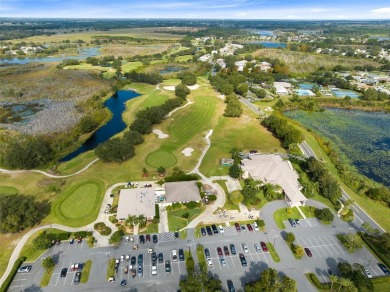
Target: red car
(219,251)
(263,246)
(147,237)
(238,227)
(250,228)
(226,251)
(308,252)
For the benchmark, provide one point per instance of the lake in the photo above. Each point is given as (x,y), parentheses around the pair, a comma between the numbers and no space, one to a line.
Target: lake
(171,69)
(363,137)
(83,54)
(270,44)
(117,105)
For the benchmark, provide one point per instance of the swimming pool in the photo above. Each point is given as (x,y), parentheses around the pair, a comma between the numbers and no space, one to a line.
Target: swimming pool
(304,92)
(344,93)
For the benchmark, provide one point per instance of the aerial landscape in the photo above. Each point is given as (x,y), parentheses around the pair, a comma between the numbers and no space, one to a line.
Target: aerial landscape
(194,146)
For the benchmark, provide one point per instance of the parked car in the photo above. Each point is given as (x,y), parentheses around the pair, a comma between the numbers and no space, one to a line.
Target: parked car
(176,234)
(79,240)
(230,286)
(147,237)
(384,269)
(257,247)
(155,238)
(297,221)
(154,257)
(126,270)
(203,231)
(243,228)
(250,228)
(140,271)
(219,251)
(174,255)
(122,258)
(160,258)
(127,238)
(111,279)
(127,257)
(154,270)
(223,262)
(167,267)
(207,253)
(25,269)
(292,222)
(233,249)
(367,272)
(263,246)
(226,251)
(243,260)
(245,248)
(255,226)
(209,231)
(124,283)
(142,239)
(140,259)
(215,229)
(237,226)
(71,241)
(181,255)
(221,230)
(64,271)
(308,252)
(133,260)
(209,262)
(77,277)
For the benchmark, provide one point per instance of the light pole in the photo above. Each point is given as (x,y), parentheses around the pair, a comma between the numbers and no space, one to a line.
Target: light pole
(274,239)
(220,173)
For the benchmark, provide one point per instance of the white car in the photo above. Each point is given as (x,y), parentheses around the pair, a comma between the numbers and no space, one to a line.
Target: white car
(255,226)
(209,262)
(154,270)
(368,274)
(257,247)
(221,230)
(122,258)
(174,255)
(245,248)
(223,262)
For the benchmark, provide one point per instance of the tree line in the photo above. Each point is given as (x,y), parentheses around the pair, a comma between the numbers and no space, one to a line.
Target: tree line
(153,78)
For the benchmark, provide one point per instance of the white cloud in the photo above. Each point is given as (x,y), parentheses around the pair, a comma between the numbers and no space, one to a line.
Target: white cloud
(381,10)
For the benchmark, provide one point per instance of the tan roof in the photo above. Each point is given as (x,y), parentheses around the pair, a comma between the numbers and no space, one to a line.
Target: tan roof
(181,191)
(273,169)
(137,201)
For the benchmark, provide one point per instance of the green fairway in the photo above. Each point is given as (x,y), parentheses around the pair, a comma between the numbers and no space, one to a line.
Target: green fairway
(79,204)
(130,66)
(161,158)
(8,190)
(184,58)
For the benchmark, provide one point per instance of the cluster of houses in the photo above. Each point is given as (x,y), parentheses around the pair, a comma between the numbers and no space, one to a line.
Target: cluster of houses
(25,50)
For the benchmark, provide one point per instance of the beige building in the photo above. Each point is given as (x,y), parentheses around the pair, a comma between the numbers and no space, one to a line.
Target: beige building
(181,192)
(135,202)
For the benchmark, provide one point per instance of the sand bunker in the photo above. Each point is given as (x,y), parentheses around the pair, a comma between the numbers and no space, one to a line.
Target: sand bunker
(172,87)
(187,151)
(160,134)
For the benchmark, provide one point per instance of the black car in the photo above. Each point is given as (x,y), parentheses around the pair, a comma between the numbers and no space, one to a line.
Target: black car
(203,231)
(215,229)
(176,234)
(243,260)
(160,258)
(167,267)
(181,255)
(209,231)
(384,269)
(233,249)
(230,286)
(207,253)
(141,239)
(154,257)
(140,259)
(123,283)
(133,260)
(63,272)
(77,277)
(155,238)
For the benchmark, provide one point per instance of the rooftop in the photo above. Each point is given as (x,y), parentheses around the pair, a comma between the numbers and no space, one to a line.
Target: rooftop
(137,201)
(181,191)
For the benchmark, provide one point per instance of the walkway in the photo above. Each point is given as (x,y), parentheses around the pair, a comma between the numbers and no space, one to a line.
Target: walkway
(163,224)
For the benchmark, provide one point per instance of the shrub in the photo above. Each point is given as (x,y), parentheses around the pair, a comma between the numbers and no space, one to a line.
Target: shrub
(82,234)
(182,91)
(11,275)
(192,205)
(116,237)
(91,241)
(185,215)
(181,177)
(289,211)
(324,214)
(157,211)
(62,236)
(236,197)
(212,197)
(317,282)
(42,241)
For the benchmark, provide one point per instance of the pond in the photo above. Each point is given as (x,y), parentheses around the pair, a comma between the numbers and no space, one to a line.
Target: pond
(263,32)
(19,112)
(82,54)
(363,137)
(117,105)
(270,44)
(171,69)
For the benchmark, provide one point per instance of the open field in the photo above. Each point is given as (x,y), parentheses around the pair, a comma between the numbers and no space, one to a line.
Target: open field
(245,133)
(130,66)
(184,58)
(130,50)
(299,62)
(147,33)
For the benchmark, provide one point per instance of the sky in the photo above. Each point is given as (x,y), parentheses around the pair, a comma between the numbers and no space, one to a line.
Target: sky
(208,9)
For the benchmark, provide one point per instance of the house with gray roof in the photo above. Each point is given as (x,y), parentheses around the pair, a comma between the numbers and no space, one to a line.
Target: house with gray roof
(135,202)
(273,169)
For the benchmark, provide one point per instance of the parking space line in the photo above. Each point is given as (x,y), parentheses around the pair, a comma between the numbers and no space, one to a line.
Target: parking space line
(331,244)
(231,257)
(306,245)
(320,246)
(264,256)
(325,244)
(336,244)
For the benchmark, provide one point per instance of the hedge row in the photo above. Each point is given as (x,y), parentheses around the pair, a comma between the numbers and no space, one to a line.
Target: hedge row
(317,282)
(11,276)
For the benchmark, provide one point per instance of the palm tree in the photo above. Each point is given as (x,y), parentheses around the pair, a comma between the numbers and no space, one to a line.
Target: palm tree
(130,220)
(145,172)
(142,220)
(348,284)
(333,279)
(342,282)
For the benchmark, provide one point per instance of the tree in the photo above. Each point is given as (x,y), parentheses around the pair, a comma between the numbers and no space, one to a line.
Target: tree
(270,280)
(142,220)
(242,89)
(333,279)
(324,214)
(19,212)
(298,250)
(142,126)
(48,263)
(188,79)
(368,227)
(145,172)
(236,197)
(290,237)
(116,150)
(133,137)
(87,124)
(161,170)
(182,91)
(42,241)
(235,171)
(116,237)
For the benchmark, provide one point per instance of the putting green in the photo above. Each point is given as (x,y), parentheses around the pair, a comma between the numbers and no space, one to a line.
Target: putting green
(8,190)
(161,158)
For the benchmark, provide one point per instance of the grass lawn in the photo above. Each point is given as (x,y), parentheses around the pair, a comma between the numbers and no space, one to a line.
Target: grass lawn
(245,133)
(175,221)
(46,277)
(161,158)
(110,268)
(8,190)
(184,58)
(76,163)
(308,211)
(273,252)
(281,215)
(130,66)
(183,234)
(79,204)
(150,228)
(86,271)
(228,205)
(200,254)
